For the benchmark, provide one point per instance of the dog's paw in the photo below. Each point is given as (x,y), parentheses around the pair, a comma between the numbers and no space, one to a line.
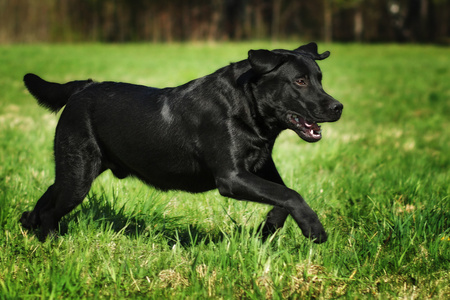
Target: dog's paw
(319,239)
(25,220)
(267,229)
(47,235)
(316,233)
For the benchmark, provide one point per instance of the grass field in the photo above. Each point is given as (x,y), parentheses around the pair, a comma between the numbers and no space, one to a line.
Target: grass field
(379,181)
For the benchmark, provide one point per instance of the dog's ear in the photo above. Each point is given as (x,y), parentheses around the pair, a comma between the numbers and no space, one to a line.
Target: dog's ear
(264,61)
(311,51)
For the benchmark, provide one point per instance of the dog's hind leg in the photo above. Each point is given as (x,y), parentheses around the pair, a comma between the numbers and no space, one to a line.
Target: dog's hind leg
(77,163)
(31,219)
(63,202)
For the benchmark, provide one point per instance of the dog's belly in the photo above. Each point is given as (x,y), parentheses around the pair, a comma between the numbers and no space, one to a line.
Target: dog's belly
(165,174)
(197,183)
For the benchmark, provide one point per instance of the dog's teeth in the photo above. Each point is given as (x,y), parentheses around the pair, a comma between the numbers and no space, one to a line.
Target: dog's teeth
(315,133)
(308,124)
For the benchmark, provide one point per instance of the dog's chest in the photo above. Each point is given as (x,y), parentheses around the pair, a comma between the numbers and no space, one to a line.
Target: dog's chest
(256,157)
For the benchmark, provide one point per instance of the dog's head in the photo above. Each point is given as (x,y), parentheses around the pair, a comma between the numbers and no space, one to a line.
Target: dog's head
(288,86)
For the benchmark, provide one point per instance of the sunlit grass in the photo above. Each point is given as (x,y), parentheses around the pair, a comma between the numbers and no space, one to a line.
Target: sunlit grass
(378,180)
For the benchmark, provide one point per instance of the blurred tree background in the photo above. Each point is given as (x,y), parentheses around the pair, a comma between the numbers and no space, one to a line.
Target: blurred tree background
(200,20)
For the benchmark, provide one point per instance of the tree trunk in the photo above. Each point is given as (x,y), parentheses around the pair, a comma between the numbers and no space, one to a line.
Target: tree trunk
(358,25)
(424,20)
(276,12)
(328,21)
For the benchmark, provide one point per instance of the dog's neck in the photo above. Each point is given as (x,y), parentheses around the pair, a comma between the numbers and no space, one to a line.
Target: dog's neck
(266,123)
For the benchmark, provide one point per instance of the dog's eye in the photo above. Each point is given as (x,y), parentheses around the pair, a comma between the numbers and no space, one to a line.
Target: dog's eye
(301,82)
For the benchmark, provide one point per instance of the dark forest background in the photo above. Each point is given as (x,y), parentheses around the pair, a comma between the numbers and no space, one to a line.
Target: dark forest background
(199,20)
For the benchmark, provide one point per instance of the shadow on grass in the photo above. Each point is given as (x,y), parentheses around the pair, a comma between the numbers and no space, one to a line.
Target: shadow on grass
(147,219)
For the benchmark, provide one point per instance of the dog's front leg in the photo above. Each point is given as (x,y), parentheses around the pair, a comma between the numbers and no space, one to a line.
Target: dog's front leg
(278,215)
(247,186)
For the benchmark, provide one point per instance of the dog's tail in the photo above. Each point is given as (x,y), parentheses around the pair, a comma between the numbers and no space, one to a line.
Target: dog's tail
(53,95)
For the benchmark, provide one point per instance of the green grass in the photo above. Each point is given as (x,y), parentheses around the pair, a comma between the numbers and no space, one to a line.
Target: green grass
(378,180)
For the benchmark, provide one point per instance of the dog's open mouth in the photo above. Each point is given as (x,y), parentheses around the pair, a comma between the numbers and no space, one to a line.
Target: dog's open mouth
(309,131)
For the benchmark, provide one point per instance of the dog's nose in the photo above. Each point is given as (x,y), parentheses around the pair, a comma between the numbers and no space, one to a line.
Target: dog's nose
(337,108)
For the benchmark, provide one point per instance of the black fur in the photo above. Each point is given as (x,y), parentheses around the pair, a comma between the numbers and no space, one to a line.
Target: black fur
(213,132)
(53,95)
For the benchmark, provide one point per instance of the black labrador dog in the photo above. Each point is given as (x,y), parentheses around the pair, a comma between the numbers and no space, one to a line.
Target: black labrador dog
(215,132)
